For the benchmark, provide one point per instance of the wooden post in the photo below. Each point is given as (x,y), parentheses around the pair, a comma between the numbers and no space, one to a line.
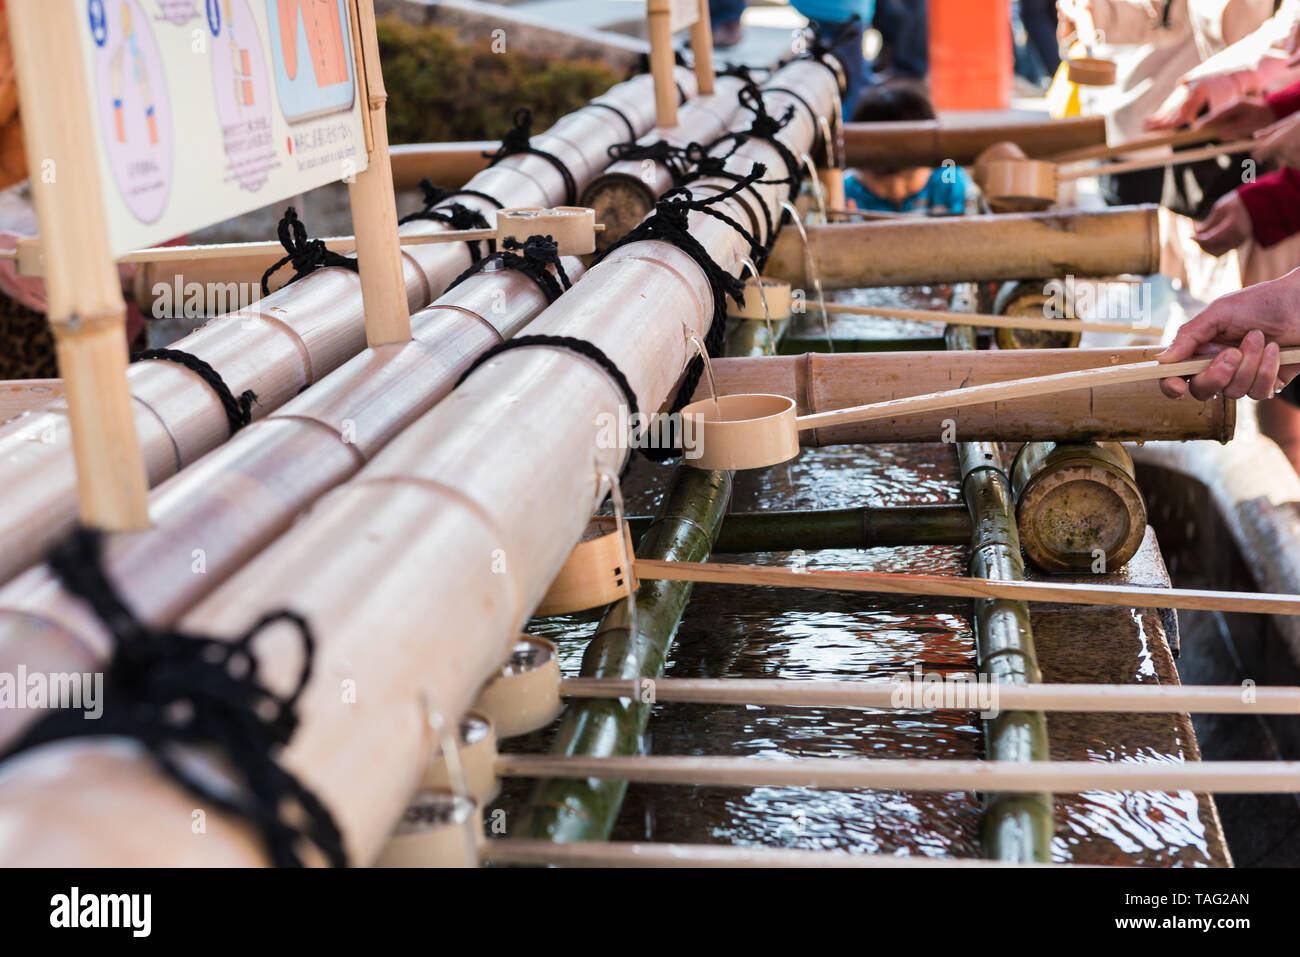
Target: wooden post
(374,204)
(702,48)
(87,313)
(660,16)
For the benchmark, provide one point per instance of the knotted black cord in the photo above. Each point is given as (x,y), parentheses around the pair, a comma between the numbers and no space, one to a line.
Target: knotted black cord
(306,255)
(168,689)
(676,159)
(583,348)
(534,254)
(711,167)
(765,127)
(455,215)
(818,52)
(670,223)
(518,140)
(239,411)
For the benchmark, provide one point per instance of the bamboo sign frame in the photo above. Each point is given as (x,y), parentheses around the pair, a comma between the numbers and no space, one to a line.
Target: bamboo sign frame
(665,18)
(87,311)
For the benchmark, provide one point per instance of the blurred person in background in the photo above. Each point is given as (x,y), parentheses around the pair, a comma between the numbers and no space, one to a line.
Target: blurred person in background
(724,17)
(905,49)
(839,24)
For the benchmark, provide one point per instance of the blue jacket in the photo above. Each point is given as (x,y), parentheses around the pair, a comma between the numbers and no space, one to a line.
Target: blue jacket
(836,11)
(941,196)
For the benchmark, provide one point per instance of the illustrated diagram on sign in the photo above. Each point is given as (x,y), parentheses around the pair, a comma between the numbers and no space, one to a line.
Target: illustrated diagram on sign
(132,101)
(311,53)
(241,89)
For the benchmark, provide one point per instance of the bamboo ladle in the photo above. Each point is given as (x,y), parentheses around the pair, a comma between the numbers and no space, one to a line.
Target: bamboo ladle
(1018,179)
(750,431)
(1088,70)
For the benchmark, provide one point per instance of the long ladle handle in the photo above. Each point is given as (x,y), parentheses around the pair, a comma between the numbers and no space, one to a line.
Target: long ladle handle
(1015,389)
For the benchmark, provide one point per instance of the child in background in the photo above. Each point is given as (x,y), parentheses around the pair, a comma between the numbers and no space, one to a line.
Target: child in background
(936,191)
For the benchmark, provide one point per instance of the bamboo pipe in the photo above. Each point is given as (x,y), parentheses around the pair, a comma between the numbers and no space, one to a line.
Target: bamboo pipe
(974,248)
(568,810)
(1133,412)
(626,191)
(86,310)
(509,850)
(1012,827)
(911,774)
(889,583)
(1034,386)
(930,142)
(280,344)
(450,165)
(444,495)
(988,320)
(1179,138)
(234,502)
(908,695)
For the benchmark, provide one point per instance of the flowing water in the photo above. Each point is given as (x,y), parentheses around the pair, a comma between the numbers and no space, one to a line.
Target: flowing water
(749,632)
(812,271)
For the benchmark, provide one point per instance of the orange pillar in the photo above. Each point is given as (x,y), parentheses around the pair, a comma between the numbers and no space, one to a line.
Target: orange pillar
(970,54)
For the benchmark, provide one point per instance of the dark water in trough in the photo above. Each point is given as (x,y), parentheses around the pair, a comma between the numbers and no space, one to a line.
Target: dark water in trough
(734,632)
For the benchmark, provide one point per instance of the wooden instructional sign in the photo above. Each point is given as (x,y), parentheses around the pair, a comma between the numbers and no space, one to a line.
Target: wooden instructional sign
(205,109)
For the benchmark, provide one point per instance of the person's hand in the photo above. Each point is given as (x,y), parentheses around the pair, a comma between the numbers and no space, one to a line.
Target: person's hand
(1186,102)
(1279,141)
(1241,117)
(1068,13)
(1245,331)
(1227,226)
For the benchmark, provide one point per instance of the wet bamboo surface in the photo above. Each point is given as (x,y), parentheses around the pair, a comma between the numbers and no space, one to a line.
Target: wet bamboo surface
(217,514)
(444,495)
(1123,239)
(760,633)
(279,344)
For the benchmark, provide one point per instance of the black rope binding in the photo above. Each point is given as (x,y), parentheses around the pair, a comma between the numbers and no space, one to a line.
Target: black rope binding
(820,53)
(765,127)
(168,689)
(583,348)
(455,215)
(631,130)
(306,255)
(518,140)
(676,159)
(670,223)
(532,257)
(239,411)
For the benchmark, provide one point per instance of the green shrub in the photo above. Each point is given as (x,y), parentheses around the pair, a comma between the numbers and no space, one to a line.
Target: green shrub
(441,90)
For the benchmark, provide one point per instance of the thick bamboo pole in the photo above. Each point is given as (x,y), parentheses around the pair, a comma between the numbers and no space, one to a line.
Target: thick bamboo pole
(910,774)
(280,344)
(1130,412)
(908,695)
(1014,827)
(974,248)
(86,310)
(215,515)
(466,548)
(374,203)
(930,142)
(990,320)
(625,192)
(866,527)
(579,809)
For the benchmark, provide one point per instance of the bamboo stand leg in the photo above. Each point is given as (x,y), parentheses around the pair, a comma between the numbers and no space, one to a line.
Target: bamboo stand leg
(374,206)
(661,65)
(87,312)
(702,49)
